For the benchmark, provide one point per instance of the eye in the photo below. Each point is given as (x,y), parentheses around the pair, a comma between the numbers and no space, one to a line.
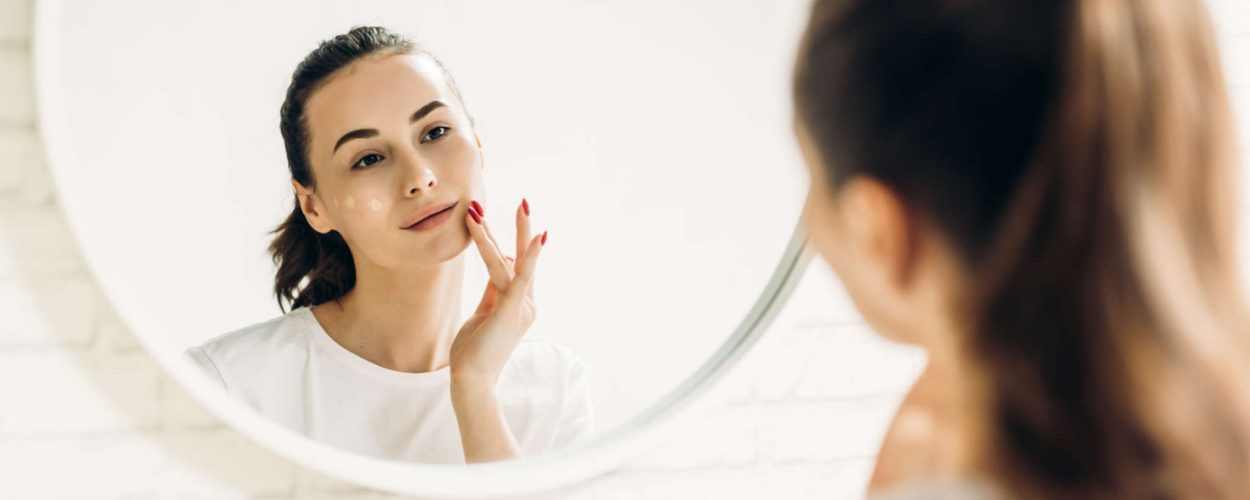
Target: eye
(435,133)
(367,160)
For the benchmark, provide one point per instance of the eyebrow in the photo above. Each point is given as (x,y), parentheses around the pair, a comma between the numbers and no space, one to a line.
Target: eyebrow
(365,133)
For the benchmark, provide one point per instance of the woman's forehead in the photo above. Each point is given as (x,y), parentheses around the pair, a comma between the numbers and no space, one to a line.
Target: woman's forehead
(374,92)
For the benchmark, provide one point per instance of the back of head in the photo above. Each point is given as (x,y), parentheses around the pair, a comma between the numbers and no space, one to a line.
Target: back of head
(1079,156)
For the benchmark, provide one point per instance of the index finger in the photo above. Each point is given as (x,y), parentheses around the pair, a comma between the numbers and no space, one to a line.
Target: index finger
(496,266)
(522,228)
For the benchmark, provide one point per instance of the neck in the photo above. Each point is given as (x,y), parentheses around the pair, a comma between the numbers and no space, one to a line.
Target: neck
(402,320)
(928,437)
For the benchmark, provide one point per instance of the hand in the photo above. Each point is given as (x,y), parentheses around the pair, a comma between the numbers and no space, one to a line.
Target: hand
(506,310)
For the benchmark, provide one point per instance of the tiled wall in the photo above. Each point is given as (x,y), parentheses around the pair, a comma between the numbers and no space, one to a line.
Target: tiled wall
(86,413)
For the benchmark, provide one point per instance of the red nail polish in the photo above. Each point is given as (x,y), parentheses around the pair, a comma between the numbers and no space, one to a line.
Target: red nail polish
(544,242)
(478,207)
(526,205)
(473,213)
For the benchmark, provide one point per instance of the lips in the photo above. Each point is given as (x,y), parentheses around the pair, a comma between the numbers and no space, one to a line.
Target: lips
(426,212)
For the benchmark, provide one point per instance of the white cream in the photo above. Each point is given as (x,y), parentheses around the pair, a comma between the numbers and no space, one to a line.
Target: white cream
(375,204)
(351,202)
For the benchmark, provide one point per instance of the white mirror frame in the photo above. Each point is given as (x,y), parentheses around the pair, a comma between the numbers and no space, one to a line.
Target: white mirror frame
(605,452)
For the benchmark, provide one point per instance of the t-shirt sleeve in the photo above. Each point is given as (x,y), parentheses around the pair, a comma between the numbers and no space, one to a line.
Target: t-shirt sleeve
(577,421)
(201,359)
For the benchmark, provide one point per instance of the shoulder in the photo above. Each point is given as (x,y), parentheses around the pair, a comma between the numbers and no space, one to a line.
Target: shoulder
(544,357)
(545,349)
(255,346)
(258,338)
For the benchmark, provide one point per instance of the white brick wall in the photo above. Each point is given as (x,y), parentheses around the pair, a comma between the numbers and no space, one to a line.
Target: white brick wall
(803,418)
(16,22)
(16,107)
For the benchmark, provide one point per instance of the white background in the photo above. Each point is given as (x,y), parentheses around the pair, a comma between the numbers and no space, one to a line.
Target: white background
(85,413)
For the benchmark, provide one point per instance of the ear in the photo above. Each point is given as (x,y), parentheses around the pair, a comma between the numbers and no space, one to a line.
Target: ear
(880,228)
(312,208)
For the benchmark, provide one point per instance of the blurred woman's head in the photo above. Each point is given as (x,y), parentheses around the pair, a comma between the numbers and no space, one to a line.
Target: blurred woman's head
(376,136)
(1042,193)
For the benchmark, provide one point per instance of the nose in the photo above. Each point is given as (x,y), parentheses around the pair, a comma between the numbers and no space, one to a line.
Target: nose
(425,180)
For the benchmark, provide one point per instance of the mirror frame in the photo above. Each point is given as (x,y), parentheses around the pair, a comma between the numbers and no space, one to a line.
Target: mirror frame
(678,409)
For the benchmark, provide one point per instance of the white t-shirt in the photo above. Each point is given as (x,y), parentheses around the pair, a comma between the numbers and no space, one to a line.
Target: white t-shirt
(290,370)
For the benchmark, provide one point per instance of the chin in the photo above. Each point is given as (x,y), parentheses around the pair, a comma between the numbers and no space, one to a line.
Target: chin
(462,245)
(438,249)
(449,246)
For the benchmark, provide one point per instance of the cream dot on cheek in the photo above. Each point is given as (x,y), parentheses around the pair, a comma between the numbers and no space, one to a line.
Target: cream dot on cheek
(351,202)
(336,202)
(375,204)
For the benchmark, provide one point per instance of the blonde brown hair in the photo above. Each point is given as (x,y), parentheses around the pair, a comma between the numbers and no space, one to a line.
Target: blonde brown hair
(1080,156)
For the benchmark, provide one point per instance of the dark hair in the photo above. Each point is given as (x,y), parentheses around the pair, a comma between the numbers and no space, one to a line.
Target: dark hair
(313,268)
(1078,155)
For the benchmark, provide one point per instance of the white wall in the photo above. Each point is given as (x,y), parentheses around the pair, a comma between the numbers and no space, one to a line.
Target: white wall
(85,413)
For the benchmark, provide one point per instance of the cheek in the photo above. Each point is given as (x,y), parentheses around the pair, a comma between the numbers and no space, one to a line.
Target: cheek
(362,204)
(375,205)
(461,164)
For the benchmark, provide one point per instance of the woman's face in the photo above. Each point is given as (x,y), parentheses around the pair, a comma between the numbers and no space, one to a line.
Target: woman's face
(389,139)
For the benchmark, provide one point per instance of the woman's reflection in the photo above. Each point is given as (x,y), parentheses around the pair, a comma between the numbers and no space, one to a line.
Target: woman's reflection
(374,358)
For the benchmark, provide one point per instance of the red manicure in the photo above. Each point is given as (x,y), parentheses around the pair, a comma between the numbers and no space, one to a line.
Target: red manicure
(526,205)
(475,204)
(473,213)
(544,242)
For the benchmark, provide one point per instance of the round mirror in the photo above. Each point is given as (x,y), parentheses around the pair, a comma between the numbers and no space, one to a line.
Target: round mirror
(651,142)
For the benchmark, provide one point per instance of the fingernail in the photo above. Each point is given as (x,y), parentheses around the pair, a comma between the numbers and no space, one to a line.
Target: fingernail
(478,207)
(526,205)
(544,242)
(473,213)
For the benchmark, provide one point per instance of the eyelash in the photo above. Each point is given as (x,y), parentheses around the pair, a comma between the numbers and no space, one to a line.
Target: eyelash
(357,165)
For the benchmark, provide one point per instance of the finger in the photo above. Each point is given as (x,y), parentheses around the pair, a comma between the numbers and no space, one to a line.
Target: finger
(512,262)
(524,279)
(500,275)
(522,228)
(481,212)
(488,299)
(491,237)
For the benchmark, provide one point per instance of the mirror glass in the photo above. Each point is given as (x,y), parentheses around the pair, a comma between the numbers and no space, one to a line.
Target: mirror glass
(651,140)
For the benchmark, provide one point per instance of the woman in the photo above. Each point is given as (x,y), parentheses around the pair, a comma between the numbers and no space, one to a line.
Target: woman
(373,358)
(1041,195)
